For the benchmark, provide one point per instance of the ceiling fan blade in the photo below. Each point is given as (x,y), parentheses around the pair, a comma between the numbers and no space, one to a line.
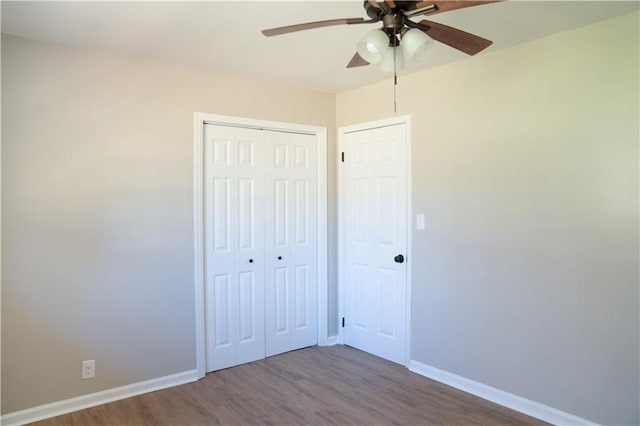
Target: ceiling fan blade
(458,39)
(445,6)
(357,61)
(311,25)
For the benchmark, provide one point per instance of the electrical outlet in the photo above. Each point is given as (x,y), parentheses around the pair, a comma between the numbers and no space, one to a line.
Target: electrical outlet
(88,369)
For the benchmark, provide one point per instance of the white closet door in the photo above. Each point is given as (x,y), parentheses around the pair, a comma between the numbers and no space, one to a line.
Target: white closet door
(234,246)
(290,242)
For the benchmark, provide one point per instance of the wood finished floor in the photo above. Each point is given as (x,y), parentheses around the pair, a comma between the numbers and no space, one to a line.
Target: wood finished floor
(334,385)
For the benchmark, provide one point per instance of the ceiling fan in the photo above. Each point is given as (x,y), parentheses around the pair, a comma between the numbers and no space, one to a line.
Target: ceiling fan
(398,30)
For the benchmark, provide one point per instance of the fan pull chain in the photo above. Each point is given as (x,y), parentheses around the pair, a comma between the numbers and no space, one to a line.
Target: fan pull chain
(395,71)
(395,93)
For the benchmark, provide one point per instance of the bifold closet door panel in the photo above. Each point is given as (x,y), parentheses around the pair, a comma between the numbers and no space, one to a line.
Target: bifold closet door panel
(234,246)
(290,242)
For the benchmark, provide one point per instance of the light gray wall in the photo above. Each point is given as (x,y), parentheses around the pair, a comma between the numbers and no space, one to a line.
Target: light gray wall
(525,162)
(97,208)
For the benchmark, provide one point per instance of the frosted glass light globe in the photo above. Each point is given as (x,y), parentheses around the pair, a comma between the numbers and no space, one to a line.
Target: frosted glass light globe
(416,45)
(373,46)
(387,60)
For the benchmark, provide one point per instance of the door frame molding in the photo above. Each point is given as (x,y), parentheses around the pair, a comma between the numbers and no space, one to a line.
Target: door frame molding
(200,119)
(402,119)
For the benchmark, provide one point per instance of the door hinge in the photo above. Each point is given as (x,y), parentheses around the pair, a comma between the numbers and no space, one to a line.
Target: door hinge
(342,156)
(342,322)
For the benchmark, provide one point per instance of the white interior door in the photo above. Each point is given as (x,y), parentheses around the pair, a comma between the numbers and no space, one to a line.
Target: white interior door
(374,238)
(291,217)
(234,246)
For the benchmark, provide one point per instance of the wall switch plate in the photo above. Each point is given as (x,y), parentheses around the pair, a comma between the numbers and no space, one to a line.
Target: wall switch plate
(420,221)
(88,369)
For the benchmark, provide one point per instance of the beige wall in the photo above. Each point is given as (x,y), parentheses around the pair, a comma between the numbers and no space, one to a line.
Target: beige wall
(525,162)
(97,241)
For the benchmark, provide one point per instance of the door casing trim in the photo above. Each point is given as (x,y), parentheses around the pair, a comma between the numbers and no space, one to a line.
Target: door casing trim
(342,131)
(200,119)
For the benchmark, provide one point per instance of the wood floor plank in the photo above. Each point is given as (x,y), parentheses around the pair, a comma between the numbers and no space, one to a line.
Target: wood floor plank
(334,385)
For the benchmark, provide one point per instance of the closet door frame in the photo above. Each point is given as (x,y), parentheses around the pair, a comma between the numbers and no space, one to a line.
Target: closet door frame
(200,119)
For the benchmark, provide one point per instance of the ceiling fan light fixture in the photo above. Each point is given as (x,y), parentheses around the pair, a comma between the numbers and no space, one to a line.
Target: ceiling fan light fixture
(373,46)
(416,45)
(387,62)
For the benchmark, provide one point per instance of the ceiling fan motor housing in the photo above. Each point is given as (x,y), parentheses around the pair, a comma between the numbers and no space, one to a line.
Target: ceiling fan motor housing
(393,25)
(375,11)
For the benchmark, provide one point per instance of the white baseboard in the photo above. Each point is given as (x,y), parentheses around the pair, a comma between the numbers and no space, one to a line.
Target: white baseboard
(332,340)
(506,399)
(98,398)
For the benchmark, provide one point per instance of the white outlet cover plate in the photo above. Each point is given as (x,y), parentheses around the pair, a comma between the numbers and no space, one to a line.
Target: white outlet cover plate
(89,369)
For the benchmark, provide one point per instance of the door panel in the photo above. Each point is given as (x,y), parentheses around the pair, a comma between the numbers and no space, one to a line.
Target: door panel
(291,251)
(246,215)
(301,296)
(375,231)
(280,217)
(247,307)
(221,300)
(301,212)
(281,300)
(234,260)
(221,215)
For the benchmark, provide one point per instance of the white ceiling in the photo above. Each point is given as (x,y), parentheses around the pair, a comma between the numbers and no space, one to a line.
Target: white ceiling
(225,37)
